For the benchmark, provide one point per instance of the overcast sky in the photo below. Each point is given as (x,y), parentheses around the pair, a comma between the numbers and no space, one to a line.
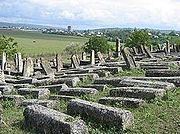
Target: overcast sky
(160,14)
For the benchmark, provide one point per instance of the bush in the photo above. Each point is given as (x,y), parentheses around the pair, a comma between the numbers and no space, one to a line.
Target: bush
(8,45)
(98,44)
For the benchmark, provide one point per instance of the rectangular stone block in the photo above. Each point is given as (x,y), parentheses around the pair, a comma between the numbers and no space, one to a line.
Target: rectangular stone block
(137,92)
(128,102)
(6,89)
(162,73)
(78,91)
(45,103)
(15,98)
(101,113)
(142,83)
(36,93)
(55,88)
(50,121)
(96,86)
(61,97)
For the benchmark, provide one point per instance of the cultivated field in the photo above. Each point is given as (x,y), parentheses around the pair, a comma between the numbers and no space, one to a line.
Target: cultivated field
(36,43)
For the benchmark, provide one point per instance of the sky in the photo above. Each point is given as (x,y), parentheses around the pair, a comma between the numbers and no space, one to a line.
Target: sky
(89,14)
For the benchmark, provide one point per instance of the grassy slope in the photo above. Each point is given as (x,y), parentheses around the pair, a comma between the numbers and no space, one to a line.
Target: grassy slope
(45,43)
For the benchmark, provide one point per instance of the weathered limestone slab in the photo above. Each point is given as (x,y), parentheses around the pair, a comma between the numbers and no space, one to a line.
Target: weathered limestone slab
(101,113)
(6,89)
(162,73)
(78,91)
(99,87)
(59,64)
(174,80)
(84,56)
(55,88)
(70,82)
(28,67)
(92,57)
(47,68)
(150,84)
(15,98)
(147,67)
(61,97)
(74,61)
(19,62)
(128,102)
(108,81)
(22,86)
(49,121)
(89,75)
(118,47)
(137,92)
(129,59)
(36,93)
(100,57)
(45,103)
(3,61)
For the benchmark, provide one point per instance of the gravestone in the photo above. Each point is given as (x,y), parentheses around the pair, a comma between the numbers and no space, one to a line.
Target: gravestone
(3,61)
(129,59)
(74,61)
(100,57)
(19,62)
(151,48)
(28,67)
(135,50)
(59,64)
(77,58)
(148,53)
(110,54)
(118,47)
(167,47)
(47,68)
(83,55)
(2,78)
(92,57)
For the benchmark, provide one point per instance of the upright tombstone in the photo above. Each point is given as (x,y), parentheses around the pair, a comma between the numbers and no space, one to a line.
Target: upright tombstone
(2,78)
(28,67)
(74,62)
(174,48)
(3,61)
(135,50)
(47,68)
(59,64)
(159,47)
(77,58)
(129,59)
(38,62)
(83,55)
(110,54)
(19,62)
(92,57)
(118,47)
(100,57)
(151,48)
(168,47)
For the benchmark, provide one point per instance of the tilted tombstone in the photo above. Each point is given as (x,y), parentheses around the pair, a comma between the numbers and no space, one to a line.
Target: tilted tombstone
(92,57)
(135,50)
(118,47)
(100,57)
(77,58)
(148,53)
(59,64)
(142,49)
(129,59)
(28,67)
(19,62)
(74,61)
(83,55)
(47,68)
(174,48)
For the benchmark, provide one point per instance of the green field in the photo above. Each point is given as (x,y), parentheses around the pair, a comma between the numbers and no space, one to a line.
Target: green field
(44,43)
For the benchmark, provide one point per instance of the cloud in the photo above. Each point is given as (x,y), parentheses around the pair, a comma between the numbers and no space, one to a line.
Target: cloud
(102,13)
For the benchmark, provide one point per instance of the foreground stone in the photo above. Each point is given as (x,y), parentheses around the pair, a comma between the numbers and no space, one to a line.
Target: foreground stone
(55,88)
(142,83)
(46,103)
(78,91)
(128,102)
(108,81)
(49,121)
(137,92)
(6,89)
(99,87)
(162,73)
(36,93)
(61,97)
(101,113)
(15,98)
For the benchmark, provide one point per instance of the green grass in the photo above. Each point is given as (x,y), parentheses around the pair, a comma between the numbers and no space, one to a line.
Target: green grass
(44,43)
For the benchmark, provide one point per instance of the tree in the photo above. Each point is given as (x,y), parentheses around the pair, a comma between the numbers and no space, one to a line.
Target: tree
(8,45)
(97,44)
(138,38)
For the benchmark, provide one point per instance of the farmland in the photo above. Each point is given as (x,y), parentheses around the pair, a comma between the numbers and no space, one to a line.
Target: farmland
(35,43)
